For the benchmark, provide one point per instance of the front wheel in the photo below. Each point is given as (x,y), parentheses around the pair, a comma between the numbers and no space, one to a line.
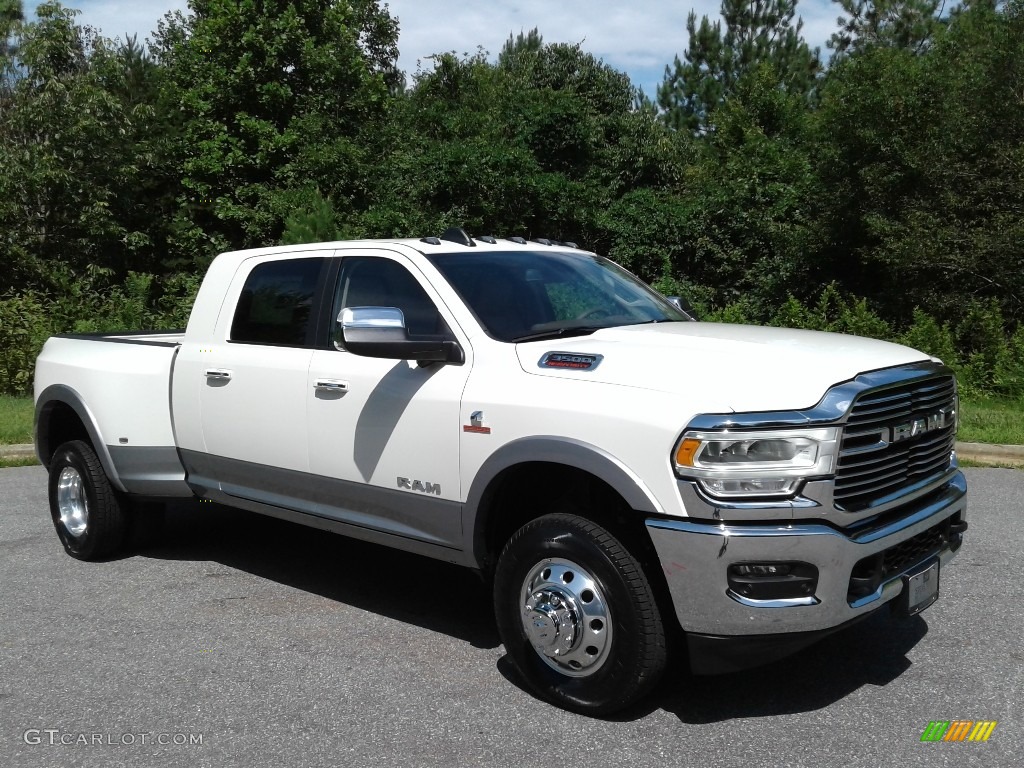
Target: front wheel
(86,510)
(577,615)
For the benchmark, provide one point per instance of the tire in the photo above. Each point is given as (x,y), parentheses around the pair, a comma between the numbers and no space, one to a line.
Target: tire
(577,616)
(87,511)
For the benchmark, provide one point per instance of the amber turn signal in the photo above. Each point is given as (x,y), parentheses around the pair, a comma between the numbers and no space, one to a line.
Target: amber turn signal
(686,451)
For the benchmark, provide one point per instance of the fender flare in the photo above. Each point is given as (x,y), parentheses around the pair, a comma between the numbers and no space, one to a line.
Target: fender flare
(62,393)
(552,450)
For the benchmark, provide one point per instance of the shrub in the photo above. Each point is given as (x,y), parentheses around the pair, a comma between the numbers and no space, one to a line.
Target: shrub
(25,325)
(86,305)
(927,335)
(1009,373)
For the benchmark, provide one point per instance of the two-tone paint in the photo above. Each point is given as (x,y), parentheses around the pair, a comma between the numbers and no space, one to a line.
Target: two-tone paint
(319,435)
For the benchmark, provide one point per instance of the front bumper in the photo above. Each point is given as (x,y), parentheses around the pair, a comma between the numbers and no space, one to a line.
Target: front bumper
(695,556)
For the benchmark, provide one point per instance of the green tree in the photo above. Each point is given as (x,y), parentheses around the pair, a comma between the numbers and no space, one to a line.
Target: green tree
(751,223)
(530,42)
(922,161)
(12,13)
(905,24)
(755,32)
(273,94)
(68,154)
(539,144)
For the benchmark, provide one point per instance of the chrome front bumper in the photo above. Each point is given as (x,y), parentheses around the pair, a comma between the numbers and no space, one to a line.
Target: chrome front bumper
(696,555)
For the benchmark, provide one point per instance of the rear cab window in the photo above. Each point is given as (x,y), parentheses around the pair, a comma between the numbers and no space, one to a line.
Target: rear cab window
(276,302)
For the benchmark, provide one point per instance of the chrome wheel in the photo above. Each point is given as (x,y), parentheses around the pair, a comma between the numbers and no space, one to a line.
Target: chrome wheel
(577,615)
(86,510)
(565,617)
(72,504)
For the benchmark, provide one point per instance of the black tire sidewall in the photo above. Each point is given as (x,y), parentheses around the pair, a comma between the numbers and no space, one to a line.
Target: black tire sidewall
(102,534)
(619,681)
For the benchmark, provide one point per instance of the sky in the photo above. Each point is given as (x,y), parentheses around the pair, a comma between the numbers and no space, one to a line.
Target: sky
(639,37)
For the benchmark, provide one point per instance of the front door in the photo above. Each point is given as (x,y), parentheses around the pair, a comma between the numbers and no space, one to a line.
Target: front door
(388,430)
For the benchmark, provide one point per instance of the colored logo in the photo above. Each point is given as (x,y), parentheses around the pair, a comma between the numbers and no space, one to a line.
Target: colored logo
(570,360)
(959,730)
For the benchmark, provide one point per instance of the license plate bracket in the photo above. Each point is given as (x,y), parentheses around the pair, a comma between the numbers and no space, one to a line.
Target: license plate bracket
(920,588)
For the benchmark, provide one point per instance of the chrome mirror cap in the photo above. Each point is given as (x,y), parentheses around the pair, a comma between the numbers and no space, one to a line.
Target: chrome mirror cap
(373,324)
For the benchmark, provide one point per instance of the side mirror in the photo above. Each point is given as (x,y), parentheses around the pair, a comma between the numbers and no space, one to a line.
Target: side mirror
(381,332)
(683,306)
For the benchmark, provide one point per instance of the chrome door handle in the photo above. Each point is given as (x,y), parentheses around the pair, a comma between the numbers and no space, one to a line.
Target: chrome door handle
(218,373)
(330,385)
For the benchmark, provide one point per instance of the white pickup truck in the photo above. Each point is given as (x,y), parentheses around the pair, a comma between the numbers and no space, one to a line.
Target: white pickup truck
(632,482)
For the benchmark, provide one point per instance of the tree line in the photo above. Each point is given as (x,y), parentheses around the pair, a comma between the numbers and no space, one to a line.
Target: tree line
(876,187)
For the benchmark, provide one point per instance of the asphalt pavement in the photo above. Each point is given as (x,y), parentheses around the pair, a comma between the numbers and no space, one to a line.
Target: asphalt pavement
(246,641)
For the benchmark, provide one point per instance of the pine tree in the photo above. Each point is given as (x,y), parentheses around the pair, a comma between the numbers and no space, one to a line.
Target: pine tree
(755,33)
(531,42)
(905,24)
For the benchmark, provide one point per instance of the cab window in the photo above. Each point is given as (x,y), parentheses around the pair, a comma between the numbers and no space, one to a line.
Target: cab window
(275,304)
(370,281)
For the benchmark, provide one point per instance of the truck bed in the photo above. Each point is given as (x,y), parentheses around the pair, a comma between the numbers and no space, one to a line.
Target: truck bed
(118,383)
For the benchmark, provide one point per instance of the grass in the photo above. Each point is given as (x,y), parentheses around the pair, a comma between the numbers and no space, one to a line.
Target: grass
(993,420)
(27,461)
(962,463)
(16,414)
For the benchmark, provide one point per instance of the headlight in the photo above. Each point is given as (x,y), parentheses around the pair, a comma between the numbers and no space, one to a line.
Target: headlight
(770,463)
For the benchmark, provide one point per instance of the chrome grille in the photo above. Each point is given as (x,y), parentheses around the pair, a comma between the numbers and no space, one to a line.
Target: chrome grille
(872,468)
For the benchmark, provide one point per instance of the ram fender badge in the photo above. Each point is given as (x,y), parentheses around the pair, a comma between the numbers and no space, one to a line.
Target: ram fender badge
(476,424)
(419,485)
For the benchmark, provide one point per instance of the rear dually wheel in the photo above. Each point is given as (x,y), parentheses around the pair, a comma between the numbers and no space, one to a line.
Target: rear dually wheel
(87,512)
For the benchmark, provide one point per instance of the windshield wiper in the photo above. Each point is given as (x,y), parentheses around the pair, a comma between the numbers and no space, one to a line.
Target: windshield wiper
(559,333)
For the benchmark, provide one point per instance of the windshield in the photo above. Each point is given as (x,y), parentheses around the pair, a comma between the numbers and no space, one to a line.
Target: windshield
(527,295)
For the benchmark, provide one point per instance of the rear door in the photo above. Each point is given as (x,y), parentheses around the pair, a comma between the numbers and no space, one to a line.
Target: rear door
(252,377)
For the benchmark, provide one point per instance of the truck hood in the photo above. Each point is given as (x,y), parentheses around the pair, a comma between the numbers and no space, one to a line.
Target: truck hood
(727,367)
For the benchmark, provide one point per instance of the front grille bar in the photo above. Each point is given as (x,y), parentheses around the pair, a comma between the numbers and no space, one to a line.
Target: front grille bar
(877,457)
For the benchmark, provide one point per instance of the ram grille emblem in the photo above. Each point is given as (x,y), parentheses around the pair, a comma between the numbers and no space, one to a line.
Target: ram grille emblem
(943,417)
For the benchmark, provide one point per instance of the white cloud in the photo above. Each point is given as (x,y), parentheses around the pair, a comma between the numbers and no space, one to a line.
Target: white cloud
(117,18)
(639,36)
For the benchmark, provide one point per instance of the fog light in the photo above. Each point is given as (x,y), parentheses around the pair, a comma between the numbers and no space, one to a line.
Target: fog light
(773,581)
(765,569)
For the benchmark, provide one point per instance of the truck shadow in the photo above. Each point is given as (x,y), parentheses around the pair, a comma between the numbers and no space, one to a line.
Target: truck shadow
(419,591)
(410,588)
(870,653)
